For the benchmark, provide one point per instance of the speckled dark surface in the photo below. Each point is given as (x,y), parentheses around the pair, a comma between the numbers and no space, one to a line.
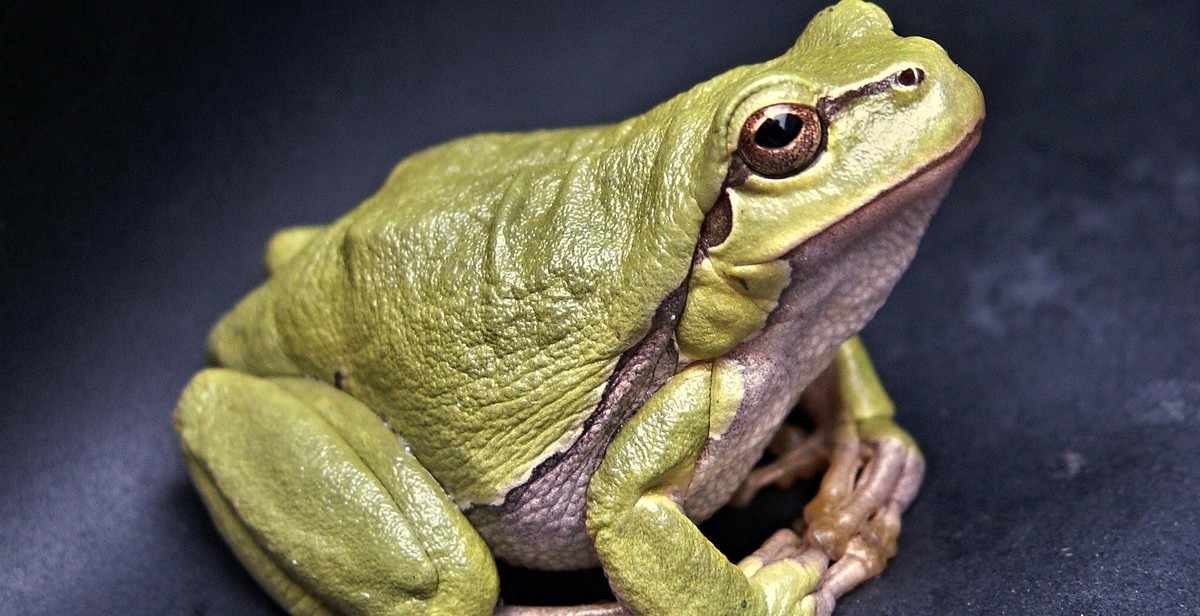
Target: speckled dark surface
(1044,348)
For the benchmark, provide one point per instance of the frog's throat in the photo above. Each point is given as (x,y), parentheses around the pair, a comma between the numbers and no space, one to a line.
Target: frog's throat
(729,302)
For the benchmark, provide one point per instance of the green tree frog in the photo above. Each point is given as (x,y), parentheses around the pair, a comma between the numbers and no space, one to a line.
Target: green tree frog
(564,348)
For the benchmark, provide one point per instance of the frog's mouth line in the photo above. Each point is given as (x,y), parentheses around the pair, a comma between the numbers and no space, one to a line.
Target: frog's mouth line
(928,185)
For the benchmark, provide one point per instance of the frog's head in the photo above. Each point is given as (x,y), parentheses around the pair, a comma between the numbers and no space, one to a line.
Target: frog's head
(848,114)
(853,133)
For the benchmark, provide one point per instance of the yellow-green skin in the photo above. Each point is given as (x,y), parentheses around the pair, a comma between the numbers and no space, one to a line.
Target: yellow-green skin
(422,355)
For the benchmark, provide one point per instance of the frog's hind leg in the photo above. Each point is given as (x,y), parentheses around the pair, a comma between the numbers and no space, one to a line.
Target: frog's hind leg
(324,504)
(286,243)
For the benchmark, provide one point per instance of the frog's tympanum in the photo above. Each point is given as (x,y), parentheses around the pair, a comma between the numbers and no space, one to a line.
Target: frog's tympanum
(565,348)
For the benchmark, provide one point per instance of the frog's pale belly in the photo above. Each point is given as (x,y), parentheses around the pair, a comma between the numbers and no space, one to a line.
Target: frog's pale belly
(839,279)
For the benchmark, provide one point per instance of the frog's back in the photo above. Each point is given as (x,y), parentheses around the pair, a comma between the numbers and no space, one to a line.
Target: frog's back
(480,300)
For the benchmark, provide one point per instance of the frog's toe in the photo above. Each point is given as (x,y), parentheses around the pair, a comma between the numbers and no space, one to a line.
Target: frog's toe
(798,455)
(873,476)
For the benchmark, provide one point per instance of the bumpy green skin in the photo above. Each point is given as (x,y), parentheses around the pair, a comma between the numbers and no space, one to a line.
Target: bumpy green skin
(489,287)
(473,311)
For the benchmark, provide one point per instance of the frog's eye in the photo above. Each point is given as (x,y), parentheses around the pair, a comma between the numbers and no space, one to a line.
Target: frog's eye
(780,140)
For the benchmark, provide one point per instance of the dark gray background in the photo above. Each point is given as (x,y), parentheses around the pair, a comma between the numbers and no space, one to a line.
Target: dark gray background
(1042,349)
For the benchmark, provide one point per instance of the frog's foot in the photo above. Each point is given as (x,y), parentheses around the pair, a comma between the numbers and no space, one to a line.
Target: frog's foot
(874,473)
(798,455)
(787,545)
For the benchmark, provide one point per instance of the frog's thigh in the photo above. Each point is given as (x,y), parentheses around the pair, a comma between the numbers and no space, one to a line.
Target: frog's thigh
(325,506)
(656,559)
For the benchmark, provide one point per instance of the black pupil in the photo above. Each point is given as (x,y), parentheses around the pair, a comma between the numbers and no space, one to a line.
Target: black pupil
(778,130)
(910,77)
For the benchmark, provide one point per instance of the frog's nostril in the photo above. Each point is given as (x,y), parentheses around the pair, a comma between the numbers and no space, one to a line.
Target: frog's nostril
(909,77)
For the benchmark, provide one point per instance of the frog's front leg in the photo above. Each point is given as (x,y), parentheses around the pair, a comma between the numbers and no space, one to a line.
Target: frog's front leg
(655,558)
(324,504)
(874,471)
